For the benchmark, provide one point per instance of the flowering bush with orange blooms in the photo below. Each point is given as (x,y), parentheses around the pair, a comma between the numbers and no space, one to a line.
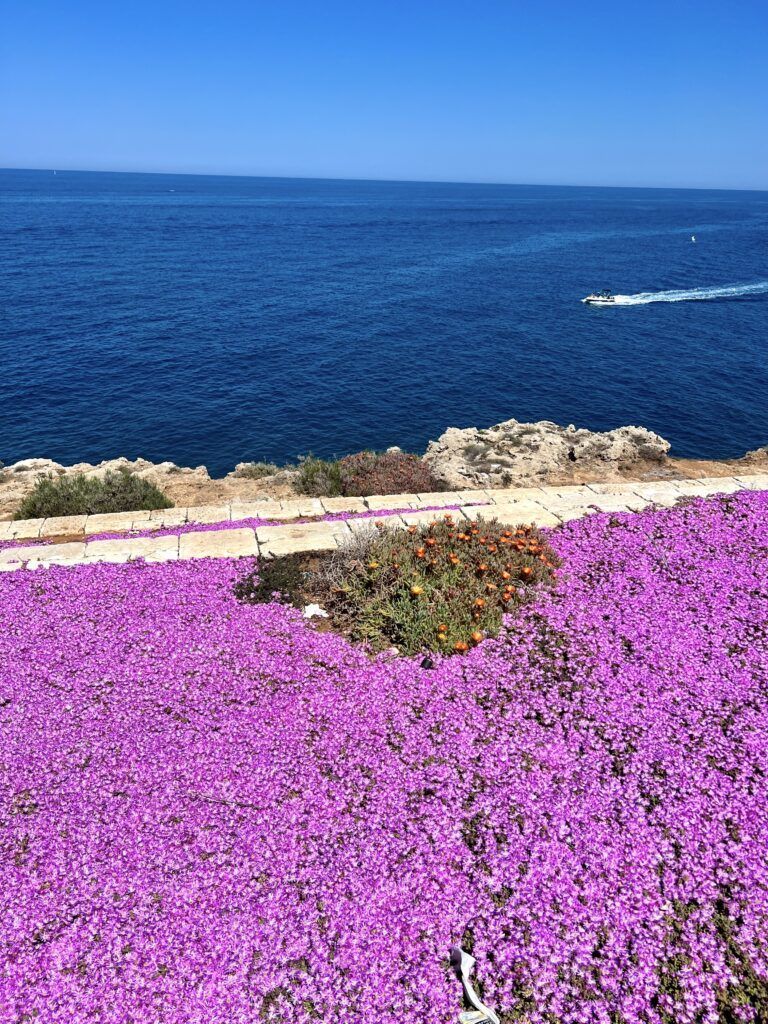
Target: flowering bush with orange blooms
(443,586)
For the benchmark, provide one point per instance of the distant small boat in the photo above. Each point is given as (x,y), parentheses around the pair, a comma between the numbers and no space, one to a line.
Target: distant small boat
(693,238)
(603,298)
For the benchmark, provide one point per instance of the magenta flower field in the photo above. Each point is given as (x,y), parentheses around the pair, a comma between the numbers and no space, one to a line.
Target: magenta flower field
(213,814)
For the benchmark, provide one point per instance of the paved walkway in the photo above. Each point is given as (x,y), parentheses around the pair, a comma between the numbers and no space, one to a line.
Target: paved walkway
(71,540)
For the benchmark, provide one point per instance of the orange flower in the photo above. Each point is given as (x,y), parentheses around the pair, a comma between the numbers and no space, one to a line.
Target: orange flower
(477,636)
(506,596)
(454,559)
(431,542)
(526,571)
(482,567)
(421,552)
(506,575)
(491,587)
(442,628)
(460,647)
(479,602)
(412,529)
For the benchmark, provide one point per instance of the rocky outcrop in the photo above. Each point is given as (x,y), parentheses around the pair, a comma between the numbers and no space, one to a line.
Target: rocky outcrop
(26,473)
(520,454)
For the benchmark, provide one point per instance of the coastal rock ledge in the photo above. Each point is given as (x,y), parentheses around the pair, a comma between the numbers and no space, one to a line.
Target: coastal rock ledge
(513,453)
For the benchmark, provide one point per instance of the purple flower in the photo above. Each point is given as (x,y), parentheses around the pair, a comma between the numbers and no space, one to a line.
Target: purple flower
(212,812)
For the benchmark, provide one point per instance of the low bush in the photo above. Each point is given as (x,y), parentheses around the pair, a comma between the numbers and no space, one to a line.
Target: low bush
(385,473)
(365,473)
(318,477)
(88,495)
(257,470)
(439,587)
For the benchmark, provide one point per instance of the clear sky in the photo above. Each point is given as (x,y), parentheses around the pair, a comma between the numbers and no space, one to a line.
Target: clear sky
(658,93)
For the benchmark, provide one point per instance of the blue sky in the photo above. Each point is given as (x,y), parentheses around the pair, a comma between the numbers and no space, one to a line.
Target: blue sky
(660,93)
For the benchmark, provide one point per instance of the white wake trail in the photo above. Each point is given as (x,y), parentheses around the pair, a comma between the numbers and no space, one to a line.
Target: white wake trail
(693,294)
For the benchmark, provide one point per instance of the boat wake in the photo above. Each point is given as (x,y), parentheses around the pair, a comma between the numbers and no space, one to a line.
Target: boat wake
(693,294)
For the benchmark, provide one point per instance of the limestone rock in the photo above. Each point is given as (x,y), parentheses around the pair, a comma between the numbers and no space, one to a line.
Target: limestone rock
(758,455)
(514,453)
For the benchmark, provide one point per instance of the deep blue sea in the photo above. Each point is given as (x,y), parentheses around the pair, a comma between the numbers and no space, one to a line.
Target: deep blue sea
(219,319)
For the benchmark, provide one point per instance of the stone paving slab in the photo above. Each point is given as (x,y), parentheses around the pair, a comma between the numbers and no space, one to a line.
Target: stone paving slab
(257,510)
(626,502)
(620,488)
(709,485)
(218,544)
(63,526)
(659,492)
(758,482)
(381,502)
(514,513)
(300,507)
(161,517)
(283,540)
(23,529)
(128,549)
(344,504)
(444,498)
(117,522)
(566,511)
(507,495)
(577,493)
(12,558)
(208,514)
(71,553)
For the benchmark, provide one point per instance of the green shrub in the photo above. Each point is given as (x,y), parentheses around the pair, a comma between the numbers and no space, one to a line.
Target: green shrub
(318,477)
(439,587)
(88,495)
(257,470)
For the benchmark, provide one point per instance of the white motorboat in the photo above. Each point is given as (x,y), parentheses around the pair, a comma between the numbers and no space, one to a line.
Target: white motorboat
(603,298)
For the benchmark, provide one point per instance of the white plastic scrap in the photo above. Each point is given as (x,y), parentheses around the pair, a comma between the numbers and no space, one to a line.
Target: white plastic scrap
(462,964)
(314,611)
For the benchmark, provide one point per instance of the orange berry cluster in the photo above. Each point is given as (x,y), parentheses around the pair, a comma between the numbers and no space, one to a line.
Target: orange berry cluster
(446,545)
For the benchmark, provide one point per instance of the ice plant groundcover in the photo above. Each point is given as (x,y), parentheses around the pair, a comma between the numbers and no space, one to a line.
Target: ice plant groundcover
(213,814)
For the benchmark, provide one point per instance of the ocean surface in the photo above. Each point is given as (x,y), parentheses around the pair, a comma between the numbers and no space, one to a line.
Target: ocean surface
(214,320)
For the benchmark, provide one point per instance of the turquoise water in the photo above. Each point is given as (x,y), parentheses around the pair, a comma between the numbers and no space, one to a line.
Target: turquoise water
(211,319)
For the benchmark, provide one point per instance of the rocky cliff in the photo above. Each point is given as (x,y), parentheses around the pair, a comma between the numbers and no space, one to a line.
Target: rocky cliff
(514,453)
